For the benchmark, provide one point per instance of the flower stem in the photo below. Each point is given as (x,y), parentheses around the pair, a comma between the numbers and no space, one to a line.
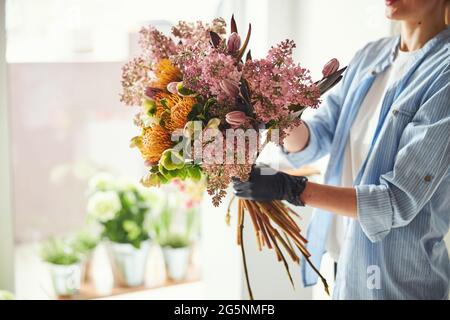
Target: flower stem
(249,288)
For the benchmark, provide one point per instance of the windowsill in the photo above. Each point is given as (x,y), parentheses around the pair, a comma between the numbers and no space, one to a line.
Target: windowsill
(192,291)
(33,279)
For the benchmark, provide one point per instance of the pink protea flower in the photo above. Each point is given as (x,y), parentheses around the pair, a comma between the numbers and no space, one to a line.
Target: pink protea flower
(330,67)
(234,43)
(235,118)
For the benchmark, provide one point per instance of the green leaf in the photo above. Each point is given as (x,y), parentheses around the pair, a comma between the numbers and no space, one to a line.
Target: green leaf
(164,103)
(171,160)
(194,173)
(195,111)
(60,252)
(209,103)
(149,107)
(163,179)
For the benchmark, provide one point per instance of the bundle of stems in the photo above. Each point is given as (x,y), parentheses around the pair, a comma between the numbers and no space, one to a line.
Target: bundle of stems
(276,229)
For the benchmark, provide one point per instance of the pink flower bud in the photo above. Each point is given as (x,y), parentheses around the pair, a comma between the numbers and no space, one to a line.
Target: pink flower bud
(235,118)
(172,87)
(230,87)
(234,43)
(151,92)
(331,67)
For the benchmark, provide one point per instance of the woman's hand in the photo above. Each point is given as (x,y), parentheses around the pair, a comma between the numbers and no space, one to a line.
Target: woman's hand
(267,184)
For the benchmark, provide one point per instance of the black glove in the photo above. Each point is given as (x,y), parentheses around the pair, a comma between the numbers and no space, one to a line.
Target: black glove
(267,184)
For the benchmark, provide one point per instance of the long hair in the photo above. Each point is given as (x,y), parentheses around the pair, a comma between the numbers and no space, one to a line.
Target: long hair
(447,12)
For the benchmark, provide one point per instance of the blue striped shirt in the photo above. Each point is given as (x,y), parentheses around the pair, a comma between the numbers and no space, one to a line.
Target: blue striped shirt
(395,249)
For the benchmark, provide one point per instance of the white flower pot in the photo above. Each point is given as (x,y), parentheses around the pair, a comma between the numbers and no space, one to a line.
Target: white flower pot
(128,263)
(177,262)
(66,279)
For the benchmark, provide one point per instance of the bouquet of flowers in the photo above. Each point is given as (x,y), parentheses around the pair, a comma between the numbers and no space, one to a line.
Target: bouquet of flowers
(205,110)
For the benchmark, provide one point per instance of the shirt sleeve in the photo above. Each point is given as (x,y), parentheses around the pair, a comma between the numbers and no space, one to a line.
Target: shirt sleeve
(422,162)
(321,131)
(322,125)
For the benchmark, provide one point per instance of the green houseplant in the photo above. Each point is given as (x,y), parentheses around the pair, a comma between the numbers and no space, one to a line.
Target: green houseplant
(64,264)
(122,208)
(84,242)
(174,230)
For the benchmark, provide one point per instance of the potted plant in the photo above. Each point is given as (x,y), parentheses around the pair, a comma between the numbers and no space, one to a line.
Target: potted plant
(176,250)
(85,242)
(64,264)
(174,230)
(121,208)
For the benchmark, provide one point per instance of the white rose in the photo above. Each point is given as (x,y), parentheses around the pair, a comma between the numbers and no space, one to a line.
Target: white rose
(104,205)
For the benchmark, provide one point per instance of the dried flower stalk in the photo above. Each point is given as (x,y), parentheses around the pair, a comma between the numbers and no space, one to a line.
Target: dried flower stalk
(262,215)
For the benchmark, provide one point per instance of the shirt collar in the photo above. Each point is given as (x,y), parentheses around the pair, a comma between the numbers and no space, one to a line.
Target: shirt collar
(388,57)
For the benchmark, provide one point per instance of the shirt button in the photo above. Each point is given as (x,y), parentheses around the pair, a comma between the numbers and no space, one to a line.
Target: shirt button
(428,178)
(373,72)
(395,112)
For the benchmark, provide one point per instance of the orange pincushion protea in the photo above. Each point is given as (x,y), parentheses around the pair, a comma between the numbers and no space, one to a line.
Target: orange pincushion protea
(165,73)
(155,140)
(170,101)
(179,113)
(174,111)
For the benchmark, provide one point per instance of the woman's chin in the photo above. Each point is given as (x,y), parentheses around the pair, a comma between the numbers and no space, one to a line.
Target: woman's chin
(392,13)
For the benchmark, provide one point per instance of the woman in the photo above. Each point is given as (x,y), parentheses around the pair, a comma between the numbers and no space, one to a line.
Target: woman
(387,130)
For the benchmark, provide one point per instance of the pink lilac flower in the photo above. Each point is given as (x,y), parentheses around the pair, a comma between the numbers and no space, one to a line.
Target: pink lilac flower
(155,44)
(205,73)
(222,160)
(135,80)
(277,83)
(191,34)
